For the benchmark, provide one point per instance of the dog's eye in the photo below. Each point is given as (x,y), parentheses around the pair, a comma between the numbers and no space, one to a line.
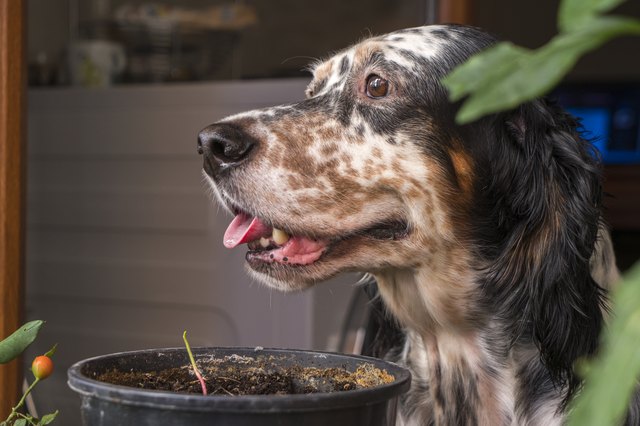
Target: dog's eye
(377,87)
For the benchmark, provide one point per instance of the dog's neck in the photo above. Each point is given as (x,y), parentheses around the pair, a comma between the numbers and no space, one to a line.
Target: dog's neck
(447,347)
(434,297)
(456,381)
(464,370)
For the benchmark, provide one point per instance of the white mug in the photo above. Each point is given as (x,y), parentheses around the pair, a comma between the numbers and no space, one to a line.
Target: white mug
(95,63)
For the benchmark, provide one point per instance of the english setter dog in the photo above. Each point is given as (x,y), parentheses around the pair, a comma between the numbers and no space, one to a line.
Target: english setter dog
(486,240)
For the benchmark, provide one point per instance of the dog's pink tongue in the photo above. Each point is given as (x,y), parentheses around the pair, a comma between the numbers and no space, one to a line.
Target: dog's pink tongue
(243,229)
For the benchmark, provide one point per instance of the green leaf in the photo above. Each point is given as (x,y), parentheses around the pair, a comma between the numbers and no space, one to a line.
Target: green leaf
(14,345)
(48,418)
(51,351)
(20,422)
(576,14)
(527,75)
(613,375)
(483,68)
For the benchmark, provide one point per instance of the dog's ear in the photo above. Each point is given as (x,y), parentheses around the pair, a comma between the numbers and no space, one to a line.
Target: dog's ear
(546,181)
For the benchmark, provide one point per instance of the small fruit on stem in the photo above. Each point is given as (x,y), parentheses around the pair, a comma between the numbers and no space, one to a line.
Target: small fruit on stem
(42,367)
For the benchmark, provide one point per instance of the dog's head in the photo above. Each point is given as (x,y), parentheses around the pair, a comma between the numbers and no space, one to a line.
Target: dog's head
(365,174)
(371,173)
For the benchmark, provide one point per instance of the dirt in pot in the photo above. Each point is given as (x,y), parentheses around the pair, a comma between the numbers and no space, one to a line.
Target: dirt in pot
(240,375)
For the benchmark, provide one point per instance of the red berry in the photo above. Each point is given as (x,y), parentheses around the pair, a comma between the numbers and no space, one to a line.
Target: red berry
(42,367)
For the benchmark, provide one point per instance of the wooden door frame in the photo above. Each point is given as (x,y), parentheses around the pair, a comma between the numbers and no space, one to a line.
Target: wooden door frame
(455,12)
(12,186)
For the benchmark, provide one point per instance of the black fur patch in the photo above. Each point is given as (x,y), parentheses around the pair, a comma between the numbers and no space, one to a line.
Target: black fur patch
(532,214)
(319,85)
(344,65)
(441,34)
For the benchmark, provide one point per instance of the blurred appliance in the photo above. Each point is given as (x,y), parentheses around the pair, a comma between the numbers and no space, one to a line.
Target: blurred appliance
(610,115)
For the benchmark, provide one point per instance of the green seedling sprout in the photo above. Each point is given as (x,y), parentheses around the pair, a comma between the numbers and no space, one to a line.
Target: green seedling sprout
(193,364)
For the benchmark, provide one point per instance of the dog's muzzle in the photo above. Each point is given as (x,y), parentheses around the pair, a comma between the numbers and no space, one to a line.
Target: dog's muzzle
(223,147)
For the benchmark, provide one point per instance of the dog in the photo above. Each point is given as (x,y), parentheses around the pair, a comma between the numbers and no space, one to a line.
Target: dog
(486,240)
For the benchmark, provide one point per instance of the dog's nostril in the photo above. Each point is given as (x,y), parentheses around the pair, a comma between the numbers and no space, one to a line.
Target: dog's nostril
(229,151)
(225,145)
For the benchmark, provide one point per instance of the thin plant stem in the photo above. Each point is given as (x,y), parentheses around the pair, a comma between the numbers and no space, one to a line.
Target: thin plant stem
(28,419)
(193,364)
(14,410)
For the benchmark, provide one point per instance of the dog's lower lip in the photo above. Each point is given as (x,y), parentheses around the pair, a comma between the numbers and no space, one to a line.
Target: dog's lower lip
(295,251)
(253,257)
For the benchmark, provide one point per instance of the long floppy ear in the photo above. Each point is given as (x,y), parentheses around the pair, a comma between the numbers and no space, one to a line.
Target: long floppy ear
(547,183)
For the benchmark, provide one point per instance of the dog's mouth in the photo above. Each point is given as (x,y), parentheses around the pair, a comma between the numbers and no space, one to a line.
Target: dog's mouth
(269,244)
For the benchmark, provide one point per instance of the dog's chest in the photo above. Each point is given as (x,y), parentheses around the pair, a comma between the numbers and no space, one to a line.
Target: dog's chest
(457,383)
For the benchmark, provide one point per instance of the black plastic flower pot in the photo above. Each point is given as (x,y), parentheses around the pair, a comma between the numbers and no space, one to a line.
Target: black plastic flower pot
(104,404)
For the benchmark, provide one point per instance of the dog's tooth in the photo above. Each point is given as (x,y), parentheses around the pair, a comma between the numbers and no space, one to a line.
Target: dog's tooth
(264,242)
(279,236)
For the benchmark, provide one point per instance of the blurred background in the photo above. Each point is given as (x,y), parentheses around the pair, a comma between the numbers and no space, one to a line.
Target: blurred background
(124,243)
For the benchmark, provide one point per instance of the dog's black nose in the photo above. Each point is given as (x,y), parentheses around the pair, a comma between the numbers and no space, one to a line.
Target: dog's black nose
(224,145)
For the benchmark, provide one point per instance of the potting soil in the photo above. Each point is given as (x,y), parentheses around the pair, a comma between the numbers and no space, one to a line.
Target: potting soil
(239,375)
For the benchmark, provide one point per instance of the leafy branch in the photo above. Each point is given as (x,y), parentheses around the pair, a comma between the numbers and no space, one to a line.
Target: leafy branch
(504,75)
(41,367)
(613,376)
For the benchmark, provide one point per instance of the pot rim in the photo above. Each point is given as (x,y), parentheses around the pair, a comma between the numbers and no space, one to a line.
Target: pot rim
(88,387)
